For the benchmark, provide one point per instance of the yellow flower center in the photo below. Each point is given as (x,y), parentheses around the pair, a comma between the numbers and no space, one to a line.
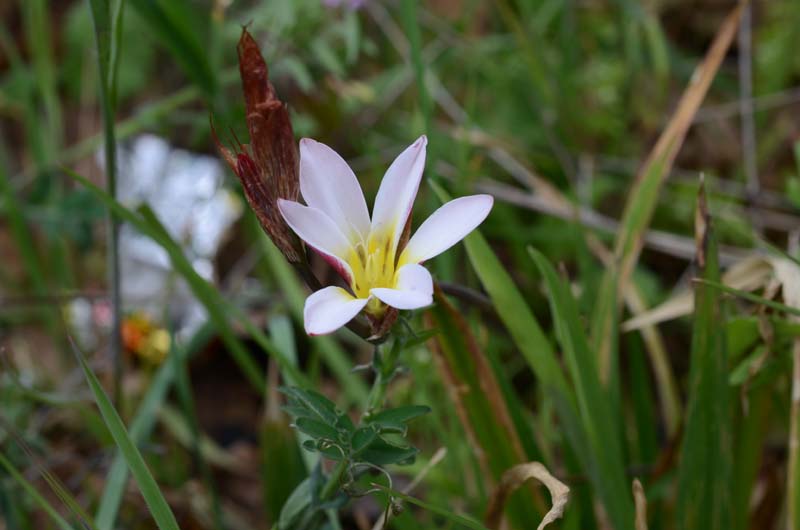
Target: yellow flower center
(373,265)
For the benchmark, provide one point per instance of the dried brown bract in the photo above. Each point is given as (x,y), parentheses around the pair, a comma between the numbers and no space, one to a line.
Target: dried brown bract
(269,166)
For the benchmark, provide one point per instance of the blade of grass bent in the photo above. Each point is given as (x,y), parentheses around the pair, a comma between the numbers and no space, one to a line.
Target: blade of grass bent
(750,297)
(156,503)
(642,199)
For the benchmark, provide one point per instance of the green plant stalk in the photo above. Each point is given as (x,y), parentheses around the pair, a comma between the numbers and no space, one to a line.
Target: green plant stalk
(384,367)
(706,460)
(104,31)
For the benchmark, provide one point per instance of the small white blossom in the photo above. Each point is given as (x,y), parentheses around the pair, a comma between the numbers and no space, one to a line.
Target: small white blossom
(337,225)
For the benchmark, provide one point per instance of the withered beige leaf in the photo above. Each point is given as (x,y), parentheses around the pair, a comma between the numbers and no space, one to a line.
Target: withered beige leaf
(640,502)
(749,274)
(516,477)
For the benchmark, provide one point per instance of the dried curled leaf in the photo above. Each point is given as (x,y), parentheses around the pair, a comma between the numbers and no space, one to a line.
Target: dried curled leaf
(516,477)
(751,273)
(271,172)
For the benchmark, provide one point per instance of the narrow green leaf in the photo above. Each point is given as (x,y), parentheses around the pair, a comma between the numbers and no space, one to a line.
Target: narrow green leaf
(156,503)
(512,308)
(142,424)
(750,297)
(597,417)
(704,470)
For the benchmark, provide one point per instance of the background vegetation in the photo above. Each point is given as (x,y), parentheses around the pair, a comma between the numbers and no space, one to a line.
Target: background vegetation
(589,121)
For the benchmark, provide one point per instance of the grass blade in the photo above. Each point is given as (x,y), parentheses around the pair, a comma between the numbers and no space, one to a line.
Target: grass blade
(599,422)
(512,308)
(750,297)
(159,509)
(140,428)
(704,471)
(479,401)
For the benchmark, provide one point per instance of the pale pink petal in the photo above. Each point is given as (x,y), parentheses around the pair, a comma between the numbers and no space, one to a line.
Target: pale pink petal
(413,288)
(328,184)
(320,233)
(446,226)
(398,190)
(329,309)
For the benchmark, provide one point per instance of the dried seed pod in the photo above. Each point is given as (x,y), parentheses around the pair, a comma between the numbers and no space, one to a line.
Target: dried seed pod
(271,172)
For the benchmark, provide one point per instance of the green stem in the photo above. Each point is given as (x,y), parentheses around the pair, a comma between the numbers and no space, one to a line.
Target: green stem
(384,367)
(383,364)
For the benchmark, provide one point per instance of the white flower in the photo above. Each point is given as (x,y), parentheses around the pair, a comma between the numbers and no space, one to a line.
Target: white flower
(336,224)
